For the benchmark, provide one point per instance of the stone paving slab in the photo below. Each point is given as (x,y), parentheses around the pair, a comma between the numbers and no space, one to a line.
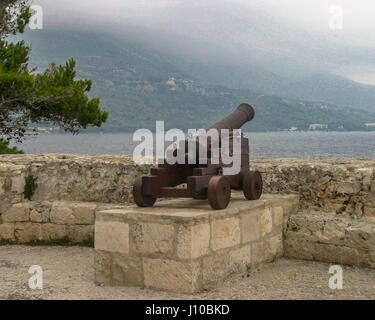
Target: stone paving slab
(68,273)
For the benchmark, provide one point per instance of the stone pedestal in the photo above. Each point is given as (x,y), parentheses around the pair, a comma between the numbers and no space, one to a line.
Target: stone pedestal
(184,246)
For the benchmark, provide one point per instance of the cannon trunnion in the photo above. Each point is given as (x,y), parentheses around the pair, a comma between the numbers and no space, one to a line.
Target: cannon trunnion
(204,181)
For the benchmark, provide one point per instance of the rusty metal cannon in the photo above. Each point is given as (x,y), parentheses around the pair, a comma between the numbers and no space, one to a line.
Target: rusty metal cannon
(204,180)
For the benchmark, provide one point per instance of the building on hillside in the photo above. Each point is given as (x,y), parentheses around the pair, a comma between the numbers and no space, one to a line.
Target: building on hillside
(317,126)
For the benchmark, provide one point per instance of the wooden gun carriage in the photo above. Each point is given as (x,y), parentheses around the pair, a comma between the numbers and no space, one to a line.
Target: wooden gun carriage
(204,180)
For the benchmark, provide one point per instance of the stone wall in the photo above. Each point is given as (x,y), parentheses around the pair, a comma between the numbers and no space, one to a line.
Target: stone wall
(25,222)
(334,185)
(106,179)
(345,187)
(328,238)
(338,185)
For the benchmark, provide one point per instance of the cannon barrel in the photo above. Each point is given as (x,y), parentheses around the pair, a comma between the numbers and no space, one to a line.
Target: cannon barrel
(236,119)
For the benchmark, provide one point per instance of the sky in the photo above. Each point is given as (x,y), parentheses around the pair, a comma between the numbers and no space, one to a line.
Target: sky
(332,27)
(310,14)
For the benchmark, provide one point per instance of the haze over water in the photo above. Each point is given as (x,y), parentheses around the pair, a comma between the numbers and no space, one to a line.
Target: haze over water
(268,144)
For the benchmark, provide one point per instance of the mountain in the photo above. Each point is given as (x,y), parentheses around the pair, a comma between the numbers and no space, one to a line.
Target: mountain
(334,89)
(139,85)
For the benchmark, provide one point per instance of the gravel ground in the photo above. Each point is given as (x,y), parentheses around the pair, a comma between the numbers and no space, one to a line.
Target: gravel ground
(68,274)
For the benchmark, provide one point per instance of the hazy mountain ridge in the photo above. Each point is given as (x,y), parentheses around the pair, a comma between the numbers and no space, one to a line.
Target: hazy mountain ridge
(139,85)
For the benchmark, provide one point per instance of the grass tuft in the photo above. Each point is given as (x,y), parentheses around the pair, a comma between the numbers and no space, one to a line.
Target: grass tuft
(65,242)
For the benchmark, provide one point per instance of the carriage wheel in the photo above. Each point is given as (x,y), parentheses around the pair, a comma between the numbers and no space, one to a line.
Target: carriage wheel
(218,192)
(141,199)
(252,185)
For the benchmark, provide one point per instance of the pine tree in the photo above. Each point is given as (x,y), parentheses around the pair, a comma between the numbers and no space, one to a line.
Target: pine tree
(28,96)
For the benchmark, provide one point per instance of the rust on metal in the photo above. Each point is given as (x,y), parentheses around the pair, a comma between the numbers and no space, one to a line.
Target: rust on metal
(204,181)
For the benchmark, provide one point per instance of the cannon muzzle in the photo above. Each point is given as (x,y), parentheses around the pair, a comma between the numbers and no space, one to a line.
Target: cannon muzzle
(236,119)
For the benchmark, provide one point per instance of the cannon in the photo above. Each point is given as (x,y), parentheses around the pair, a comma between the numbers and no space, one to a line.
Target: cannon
(204,181)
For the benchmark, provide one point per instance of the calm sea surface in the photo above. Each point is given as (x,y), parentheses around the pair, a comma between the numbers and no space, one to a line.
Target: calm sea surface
(268,144)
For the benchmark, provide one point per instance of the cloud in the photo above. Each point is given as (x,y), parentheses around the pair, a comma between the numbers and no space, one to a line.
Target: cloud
(239,30)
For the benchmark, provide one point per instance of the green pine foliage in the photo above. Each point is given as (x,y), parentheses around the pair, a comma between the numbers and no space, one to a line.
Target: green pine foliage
(29,96)
(4,148)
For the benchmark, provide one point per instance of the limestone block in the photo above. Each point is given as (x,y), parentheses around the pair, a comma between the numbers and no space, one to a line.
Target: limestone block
(349,187)
(2,186)
(278,213)
(274,247)
(257,252)
(172,275)
(80,233)
(361,236)
(7,231)
(250,224)
(193,241)
(290,205)
(369,211)
(27,231)
(298,249)
(335,254)
(40,214)
(102,267)
(240,259)
(62,213)
(84,213)
(225,233)
(266,222)
(215,267)
(334,231)
(126,270)
(19,212)
(18,183)
(152,238)
(51,231)
(112,236)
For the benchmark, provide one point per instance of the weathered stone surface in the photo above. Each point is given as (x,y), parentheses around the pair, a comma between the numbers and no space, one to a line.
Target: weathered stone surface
(7,231)
(80,233)
(126,270)
(2,186)
(369,211)
(257,252)
(26,231)
(225,233)
(225,263)
(186,246)
(240,259)
(19,212)
(62,213)
(193,241)
(18,183)
(152,238)
(84,213)
(102,267)
(278,214)
(317,236)
(112,236)
(40,212)
(266,222)
(274,247)
(215,267)
(250,224)
(171,275)
(108,179)
(50,231)
(349,187)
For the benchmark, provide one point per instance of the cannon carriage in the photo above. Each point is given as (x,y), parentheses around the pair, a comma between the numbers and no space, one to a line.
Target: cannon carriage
(204,181)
